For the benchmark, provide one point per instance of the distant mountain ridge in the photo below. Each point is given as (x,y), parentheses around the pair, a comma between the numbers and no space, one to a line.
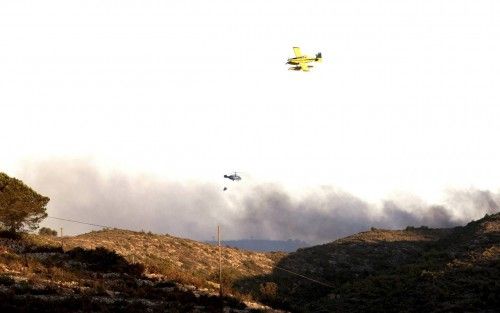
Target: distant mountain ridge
(264,245)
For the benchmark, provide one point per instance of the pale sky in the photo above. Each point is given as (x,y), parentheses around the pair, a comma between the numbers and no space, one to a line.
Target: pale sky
(406,99)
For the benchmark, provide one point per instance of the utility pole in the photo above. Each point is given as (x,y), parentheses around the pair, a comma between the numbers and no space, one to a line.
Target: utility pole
(62,244)
(220,267)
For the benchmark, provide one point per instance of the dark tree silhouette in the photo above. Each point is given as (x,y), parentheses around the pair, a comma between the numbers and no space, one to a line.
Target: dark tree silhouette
(46,231)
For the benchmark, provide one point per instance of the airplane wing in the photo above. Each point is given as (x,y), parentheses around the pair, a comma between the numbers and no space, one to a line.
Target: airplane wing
(297,52)
(304,67)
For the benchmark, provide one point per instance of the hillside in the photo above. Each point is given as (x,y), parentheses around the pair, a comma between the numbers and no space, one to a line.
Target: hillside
(191,261)
(121,270)
(412,270)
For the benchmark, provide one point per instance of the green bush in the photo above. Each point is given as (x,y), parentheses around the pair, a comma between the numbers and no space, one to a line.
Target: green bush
(45,231)
(104,260)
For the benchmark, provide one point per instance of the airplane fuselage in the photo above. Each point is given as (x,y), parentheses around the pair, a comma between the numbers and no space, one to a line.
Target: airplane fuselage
(301,59)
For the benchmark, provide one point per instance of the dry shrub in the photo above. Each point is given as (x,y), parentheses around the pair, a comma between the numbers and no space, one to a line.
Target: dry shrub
(268,291)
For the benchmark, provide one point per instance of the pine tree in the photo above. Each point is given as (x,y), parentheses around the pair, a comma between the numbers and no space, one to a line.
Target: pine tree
(21,208)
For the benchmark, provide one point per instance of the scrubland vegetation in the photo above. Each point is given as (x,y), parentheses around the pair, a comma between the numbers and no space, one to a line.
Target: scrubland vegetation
(38,274)
(413,270)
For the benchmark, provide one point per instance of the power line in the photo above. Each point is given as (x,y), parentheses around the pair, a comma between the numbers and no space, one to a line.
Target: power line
(297,274)
(275,266)
(305,277)
(79,222)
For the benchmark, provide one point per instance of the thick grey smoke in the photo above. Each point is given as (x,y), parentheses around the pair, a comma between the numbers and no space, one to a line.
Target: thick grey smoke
(321,216)
(79,191)
(330,213)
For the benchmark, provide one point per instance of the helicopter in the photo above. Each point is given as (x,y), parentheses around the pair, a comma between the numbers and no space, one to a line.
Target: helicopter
(233,177)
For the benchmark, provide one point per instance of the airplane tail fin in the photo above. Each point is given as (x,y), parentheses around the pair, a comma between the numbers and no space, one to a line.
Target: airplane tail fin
(319,58)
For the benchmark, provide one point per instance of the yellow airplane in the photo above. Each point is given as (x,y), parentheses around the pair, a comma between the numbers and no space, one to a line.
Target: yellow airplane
(301,61)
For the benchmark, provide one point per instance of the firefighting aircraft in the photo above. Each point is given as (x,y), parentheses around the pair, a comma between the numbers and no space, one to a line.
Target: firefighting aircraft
(233,177)
(301,61)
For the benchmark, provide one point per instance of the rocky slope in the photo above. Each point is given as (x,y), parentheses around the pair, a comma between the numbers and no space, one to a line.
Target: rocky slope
(412,270)
(116,270)
(187,260)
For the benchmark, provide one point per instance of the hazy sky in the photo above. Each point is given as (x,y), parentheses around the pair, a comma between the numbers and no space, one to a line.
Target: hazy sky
(406,99)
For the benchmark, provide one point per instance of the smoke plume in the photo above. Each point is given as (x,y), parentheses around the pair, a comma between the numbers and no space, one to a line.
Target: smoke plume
(79,191)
